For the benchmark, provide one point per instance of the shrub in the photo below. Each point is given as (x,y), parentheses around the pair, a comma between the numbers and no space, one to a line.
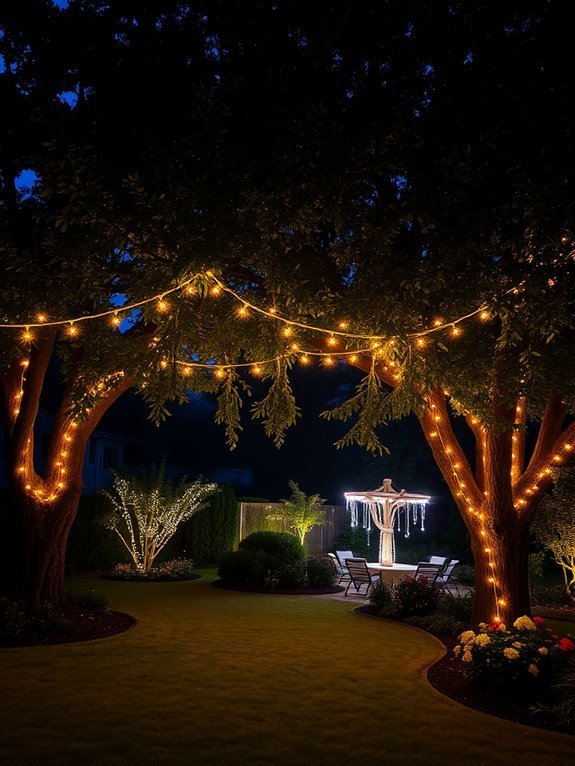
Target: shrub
(242,567)
(291,575)
(465,574)
(513,659)
(11,618)
(47,620)
(561,709)
(282,547)
(415,597)
(89,602)
(320,572)
(381,597)
(459,608)
(555,595)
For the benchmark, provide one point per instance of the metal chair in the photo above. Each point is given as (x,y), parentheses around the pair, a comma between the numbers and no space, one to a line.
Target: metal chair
(360,576)
(342,574)
(342,557)
(427,571)
(446,577)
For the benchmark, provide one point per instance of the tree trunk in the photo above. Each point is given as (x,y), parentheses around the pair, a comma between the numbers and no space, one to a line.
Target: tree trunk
(33,568)
(502,590)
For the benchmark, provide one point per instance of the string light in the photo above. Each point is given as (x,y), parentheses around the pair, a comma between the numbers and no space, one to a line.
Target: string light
(455,466)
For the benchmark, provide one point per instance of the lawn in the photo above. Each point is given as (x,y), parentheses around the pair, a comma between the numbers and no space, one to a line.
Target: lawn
(212,677)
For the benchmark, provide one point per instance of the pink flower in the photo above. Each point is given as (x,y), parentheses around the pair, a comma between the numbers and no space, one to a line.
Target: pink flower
(538,620)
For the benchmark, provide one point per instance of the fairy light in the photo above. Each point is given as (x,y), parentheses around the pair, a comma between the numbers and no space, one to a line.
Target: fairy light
(27,335)
(243,311)
(72,331)
(331,341)
(41,318)
(461,492)
(484,315)
(163,306)
(115,321)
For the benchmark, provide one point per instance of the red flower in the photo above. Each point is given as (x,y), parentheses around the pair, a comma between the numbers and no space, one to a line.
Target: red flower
(566,645)
(538,620)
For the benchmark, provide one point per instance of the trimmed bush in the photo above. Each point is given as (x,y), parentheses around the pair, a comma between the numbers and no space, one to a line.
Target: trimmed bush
(283,546)
(291,575)
(243,567)
(320,572)
(381,597)
(270,559)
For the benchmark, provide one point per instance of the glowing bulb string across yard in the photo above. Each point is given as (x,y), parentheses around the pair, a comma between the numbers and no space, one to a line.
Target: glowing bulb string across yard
(42,320)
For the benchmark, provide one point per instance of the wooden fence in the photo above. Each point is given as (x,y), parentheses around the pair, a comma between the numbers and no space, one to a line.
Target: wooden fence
(254,517)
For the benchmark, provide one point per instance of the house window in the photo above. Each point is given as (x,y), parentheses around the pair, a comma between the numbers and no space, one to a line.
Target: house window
(111,457)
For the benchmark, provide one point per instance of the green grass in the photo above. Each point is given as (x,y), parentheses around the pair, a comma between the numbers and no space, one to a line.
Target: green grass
(211,677)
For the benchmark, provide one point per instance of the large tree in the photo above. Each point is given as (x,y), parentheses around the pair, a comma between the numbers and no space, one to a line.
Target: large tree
(386,166)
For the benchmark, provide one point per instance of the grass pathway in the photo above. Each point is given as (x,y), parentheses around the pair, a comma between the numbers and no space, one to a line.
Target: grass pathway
(213,678)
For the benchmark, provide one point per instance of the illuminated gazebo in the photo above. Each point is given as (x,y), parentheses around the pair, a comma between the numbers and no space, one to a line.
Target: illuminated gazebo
(388,509)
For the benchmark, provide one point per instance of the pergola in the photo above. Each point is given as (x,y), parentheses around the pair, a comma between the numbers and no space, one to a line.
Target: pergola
(385,507)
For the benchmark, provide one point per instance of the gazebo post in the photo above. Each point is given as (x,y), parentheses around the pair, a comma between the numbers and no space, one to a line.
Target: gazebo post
(383,504)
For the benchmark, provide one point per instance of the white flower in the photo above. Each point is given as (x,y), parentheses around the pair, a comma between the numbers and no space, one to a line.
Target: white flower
(524,623)
(533,669)
(518,644)
(543,650)
(511,654)
(457,651)
(467,636)
(467,657)
(482,639)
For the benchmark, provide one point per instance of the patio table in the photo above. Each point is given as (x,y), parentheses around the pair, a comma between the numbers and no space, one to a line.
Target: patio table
(395,572)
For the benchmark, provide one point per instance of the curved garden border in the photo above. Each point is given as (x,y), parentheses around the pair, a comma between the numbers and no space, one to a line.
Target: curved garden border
(142,578)
(282,591)
(90,629)
(457,687)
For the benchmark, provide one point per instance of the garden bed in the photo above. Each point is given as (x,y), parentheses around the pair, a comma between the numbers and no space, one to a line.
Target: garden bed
(77,625)
(448,676)
(304,591)
(143,578)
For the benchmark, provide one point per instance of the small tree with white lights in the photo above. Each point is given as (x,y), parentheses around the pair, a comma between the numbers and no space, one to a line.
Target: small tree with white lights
(148,509)
(554,526)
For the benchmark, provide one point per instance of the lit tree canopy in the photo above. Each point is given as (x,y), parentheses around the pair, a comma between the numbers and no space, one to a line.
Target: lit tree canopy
(372,169)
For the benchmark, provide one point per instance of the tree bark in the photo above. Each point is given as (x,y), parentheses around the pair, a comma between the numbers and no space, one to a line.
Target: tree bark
(33,567)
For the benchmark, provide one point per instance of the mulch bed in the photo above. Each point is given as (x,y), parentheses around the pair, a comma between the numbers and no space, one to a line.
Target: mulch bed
(79,626)
(142,578)
(448,676)
(281,591)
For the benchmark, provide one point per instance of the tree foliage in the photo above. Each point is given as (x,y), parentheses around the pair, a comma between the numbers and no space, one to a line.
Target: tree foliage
(554,525)
(300,512)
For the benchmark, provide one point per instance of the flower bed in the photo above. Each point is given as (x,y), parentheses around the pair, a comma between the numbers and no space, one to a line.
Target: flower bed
(510,673)
(177,569)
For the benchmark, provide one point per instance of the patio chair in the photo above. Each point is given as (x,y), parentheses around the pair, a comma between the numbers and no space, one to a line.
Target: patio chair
(427,571)
(342,557)
(438,560)
(446,578)
(342,574)
(360,576)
